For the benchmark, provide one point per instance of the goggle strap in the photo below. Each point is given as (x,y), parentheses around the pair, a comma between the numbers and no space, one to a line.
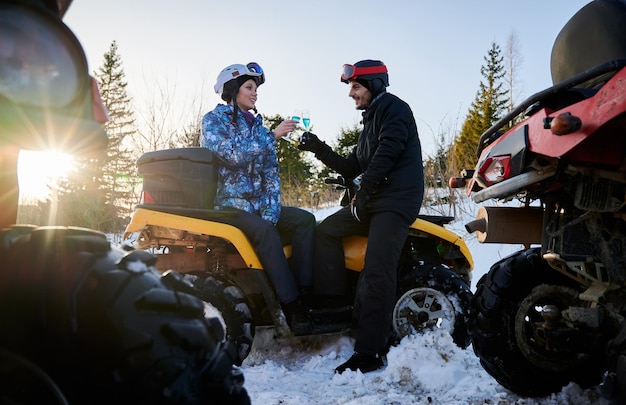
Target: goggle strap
(369,70)
(351,72)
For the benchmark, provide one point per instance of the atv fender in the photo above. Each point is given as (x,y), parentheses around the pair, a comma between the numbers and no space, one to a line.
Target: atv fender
(144,217)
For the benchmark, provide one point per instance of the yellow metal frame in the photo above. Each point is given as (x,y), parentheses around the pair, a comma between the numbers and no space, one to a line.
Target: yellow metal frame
(143,217)
(354,250)
(445,234)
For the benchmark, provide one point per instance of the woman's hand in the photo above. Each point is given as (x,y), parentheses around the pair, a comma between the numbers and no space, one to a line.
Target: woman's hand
(284,128)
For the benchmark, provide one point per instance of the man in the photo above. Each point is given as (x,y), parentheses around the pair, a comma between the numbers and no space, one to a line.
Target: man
(388,160)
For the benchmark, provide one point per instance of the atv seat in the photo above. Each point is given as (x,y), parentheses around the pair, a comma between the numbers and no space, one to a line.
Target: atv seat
(436,219)
(199,213)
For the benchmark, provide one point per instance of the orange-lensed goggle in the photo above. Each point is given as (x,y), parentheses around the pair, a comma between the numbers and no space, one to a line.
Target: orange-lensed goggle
(352,72)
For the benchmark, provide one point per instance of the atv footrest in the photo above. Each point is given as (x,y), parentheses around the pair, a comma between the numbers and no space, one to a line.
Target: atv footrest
(333,310)
(330,327)
(331,319)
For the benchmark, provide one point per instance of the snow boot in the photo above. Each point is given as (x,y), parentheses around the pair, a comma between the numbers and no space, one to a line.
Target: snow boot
(298,318)
(363,362)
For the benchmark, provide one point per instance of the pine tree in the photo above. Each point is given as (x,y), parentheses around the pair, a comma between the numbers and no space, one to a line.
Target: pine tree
(347,139)
(436,167)
(119,178)
(486,109)
(100,193)
(343,145)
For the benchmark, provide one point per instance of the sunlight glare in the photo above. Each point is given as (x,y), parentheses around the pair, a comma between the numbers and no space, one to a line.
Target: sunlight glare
(37,170)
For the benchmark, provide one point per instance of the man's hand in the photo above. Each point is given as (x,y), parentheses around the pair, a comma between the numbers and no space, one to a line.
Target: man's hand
(310,142)
(358,205)
(348,187)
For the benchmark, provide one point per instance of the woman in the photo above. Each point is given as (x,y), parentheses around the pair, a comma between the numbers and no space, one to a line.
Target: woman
(249,182)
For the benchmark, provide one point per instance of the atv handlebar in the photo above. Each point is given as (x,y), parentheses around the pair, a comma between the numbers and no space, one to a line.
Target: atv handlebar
(349,187)
(340,182)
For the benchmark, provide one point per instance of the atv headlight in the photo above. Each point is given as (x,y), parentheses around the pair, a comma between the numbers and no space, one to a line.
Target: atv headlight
(47,98)
(494,169)
(41,61)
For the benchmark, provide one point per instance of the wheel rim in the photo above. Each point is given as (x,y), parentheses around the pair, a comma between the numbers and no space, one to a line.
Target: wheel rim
(529,326)
(422,309)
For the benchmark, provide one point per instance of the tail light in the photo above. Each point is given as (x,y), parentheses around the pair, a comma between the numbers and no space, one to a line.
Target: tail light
(563,124)
(494,169)
(146,198)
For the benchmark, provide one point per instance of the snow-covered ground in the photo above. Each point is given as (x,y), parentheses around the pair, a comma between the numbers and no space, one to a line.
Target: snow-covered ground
(424,369)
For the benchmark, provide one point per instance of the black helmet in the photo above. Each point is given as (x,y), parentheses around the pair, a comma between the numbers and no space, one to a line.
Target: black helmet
(370,73)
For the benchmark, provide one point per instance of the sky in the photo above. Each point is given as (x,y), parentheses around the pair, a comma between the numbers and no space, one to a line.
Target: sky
(433,49)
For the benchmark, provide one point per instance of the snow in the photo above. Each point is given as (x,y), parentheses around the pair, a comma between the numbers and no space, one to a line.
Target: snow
(422,369)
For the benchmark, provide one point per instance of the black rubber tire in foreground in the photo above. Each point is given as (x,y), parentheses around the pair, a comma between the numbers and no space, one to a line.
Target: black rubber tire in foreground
(505,312)
(233,310)
(430,296)
(106,326)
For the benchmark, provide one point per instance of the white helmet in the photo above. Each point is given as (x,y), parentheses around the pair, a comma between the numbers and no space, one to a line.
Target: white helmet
(235,74)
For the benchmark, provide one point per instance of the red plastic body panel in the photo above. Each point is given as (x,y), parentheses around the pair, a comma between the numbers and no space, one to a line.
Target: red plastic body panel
(599,140)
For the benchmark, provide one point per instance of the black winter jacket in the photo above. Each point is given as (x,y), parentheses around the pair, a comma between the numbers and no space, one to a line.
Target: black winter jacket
(389,155)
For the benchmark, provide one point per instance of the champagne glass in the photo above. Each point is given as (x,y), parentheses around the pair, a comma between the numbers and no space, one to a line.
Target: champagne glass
(306,120)
(296,116)
(289,137)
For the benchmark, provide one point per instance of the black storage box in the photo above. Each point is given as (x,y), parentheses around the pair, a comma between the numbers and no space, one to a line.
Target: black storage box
(183,177)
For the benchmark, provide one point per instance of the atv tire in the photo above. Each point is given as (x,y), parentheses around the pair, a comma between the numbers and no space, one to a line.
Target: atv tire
(232,309)
(505,311)
(432,296)
(106,326)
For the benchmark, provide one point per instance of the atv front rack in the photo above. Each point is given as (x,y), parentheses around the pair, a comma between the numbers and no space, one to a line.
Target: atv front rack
(597,72)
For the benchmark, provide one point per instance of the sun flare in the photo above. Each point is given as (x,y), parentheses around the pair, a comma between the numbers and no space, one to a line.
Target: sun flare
(38,170)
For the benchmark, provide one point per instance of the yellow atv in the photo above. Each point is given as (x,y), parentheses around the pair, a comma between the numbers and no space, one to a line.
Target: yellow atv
(175,220)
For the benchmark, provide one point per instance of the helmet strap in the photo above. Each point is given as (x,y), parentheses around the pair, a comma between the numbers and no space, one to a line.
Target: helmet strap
(235,108)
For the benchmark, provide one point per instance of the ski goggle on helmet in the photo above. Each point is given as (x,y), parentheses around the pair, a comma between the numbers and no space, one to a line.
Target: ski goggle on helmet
(351,72)
(234,72)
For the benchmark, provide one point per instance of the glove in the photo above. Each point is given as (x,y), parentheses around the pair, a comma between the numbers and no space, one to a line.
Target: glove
(358,205)
(348,187)
(340,181)
(310,142)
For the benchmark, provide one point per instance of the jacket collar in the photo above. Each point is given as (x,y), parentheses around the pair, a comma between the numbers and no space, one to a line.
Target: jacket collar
(370,109)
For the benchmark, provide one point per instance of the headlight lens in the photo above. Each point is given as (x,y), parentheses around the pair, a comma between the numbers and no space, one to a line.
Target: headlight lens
(495,169)
(41,61)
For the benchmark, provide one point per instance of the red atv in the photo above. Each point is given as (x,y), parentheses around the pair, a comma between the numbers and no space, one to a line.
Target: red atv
(555,311)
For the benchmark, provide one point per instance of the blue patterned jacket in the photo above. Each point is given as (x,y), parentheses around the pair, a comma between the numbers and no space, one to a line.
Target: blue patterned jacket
(249,171)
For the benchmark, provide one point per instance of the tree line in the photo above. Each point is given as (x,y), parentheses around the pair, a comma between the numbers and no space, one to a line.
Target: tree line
(102,191)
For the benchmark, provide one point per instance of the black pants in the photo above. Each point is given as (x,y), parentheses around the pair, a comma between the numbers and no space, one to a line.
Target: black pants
(295,226)
(376,290)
